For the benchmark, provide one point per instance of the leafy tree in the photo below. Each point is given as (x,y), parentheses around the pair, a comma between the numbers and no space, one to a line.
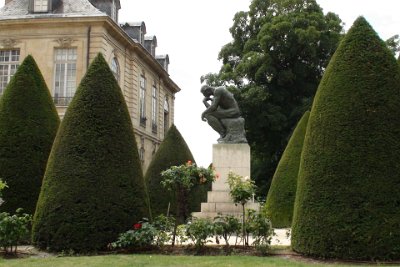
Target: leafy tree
(93,188)
(394,44)
(279,51)
(173,151)
(347,200)
(28,125)
(282,193)
(241,191)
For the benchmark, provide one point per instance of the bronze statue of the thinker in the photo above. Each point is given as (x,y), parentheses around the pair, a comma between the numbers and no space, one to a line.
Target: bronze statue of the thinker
(223,114)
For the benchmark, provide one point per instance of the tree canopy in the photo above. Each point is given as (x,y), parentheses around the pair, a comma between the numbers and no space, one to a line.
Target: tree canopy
(347,201)
(28,126)
(93,188)
(279,51)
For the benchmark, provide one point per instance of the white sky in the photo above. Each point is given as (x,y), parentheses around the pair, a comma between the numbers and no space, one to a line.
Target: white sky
(192,33)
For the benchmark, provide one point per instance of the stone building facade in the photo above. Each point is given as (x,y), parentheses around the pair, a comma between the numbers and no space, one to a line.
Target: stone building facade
(64,36)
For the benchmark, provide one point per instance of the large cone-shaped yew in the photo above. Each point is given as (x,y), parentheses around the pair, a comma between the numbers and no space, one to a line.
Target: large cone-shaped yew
(93,188)
(348,201)
(28,126)
(281,194)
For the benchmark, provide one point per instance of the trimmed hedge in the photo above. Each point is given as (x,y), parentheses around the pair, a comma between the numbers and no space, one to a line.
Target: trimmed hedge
(28,126)
(93,188)
(173,151)
(282,193)
(348,202)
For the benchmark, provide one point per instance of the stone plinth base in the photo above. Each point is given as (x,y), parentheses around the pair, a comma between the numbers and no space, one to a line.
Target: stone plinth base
(226,158)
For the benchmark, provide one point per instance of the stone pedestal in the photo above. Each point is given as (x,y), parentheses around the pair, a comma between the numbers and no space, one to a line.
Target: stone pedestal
(226,158)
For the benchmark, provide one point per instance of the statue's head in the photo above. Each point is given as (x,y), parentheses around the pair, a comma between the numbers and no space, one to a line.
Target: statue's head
(207,90)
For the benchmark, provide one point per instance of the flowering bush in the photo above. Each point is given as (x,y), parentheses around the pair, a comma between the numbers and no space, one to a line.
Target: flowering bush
(241,191)
(186,176)
(13,229)
(138,238)
(259,226)
(181,179)
(226,226)
(165,226)
(199,230)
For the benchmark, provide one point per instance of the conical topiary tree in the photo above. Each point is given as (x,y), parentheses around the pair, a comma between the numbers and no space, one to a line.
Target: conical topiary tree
(347,201)
(281,194)
(173,151)
(93,188)
(28,125)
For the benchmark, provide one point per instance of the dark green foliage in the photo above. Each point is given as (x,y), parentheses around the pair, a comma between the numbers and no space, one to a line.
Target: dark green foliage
(173,151)
(93,188)
(275,61)
(281,194)
(28,125)
(347,201)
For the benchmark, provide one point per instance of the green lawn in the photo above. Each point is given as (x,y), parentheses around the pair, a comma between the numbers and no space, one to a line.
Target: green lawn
(157,260)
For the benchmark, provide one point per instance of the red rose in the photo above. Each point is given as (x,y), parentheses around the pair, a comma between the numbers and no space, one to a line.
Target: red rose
(137,226)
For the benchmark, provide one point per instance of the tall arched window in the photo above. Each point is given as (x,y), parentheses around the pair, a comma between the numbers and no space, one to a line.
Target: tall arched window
(115,68)
(166,116)
(142,100)
(154,110)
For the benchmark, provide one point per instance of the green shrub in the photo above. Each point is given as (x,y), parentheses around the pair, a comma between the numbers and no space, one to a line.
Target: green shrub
(28,125)
(13,229)
(93,188)
(173,151)
(281,194)
(260,228)
(143,237)
(227,225)
(165,226)
(199,230)
(347,202)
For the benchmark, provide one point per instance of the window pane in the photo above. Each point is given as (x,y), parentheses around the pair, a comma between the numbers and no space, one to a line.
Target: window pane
(9,63)
(65,75)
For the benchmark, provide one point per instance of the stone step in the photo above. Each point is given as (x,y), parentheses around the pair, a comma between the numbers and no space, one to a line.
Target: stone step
(212,215)
(226,207)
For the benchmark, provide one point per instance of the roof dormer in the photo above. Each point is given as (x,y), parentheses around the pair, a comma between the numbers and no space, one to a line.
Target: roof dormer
(135,30)
(150,43)
(164,61)
(41,6)
(110,7)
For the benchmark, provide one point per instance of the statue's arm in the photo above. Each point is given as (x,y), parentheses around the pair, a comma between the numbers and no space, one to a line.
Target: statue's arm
(205,101)
(215,102)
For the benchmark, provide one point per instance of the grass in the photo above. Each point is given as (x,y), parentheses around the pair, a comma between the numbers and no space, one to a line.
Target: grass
(159,260)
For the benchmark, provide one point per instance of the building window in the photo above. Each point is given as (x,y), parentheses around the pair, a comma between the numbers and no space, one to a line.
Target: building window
(40,5)
(154,104)
(65,75)
(9,62)
(115,68)
(166,116)
(142,100)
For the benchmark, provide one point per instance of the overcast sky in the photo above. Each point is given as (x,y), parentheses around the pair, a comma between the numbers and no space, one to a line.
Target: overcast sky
(192,33)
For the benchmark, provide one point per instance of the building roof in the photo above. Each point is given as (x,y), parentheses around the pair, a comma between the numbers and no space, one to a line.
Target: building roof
(18,9)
